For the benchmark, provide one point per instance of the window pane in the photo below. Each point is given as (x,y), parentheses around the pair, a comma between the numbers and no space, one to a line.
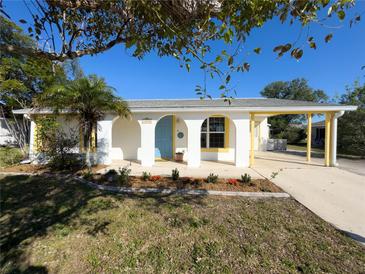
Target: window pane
(203,140)
(204,126)
(216,124)
(216,140)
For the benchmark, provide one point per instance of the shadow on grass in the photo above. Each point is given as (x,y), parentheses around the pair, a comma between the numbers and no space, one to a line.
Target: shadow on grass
(31,205)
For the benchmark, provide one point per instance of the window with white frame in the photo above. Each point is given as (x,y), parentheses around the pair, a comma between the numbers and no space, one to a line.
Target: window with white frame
(213,133)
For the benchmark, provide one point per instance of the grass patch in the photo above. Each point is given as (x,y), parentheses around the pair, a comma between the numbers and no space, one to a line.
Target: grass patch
(57,225)
(10,156)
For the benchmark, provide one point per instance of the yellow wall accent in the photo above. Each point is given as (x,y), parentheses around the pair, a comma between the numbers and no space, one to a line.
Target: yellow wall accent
(35,137)
(81,136)
(226,137)
(309,137)
(173,136)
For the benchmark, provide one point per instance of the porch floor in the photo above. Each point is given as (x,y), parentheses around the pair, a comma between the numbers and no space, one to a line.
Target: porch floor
(270,160)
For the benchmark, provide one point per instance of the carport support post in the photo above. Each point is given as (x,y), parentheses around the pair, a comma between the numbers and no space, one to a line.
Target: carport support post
(327,146)
(335,116)
(252,139)
(309,137)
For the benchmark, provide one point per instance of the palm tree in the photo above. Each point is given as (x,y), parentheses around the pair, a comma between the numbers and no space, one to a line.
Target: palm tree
(90,98)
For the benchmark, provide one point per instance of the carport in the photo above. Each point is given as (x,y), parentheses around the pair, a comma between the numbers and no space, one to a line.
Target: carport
(332,113)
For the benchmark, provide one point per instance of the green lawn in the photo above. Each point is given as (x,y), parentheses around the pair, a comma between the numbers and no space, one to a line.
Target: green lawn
(59,226)
(304,148)
(10,156)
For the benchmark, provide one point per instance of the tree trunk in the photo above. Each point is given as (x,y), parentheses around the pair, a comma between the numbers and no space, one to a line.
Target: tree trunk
(88,137)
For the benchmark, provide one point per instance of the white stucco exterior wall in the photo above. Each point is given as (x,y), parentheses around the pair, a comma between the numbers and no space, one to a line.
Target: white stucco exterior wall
(126,139)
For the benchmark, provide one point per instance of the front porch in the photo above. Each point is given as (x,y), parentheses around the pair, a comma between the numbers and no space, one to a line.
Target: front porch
(264,161)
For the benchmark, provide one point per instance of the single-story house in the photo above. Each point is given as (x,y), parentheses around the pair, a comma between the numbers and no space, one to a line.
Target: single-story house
(202,129)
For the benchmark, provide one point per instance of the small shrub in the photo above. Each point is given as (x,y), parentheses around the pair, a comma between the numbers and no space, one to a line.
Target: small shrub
(111,175)
(245,178)
(175,174)
(88,175)
(124,175)
(232,181)
(212,178)
(146,176)
(155,178)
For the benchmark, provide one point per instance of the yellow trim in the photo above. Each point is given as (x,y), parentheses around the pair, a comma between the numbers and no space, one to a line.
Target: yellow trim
(259,140)
(35,136)
(173,136)
(226,137)
(215,149)
(286,113)
(327,140)
(252,139)
(309,137)
(81,136)
(93,140)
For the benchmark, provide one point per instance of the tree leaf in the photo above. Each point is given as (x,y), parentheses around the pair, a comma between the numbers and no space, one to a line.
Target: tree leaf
(257,50)
(313,45)
(341,14)
(230,60)
(246,66)
(328,37)
(22,21)
(228,78)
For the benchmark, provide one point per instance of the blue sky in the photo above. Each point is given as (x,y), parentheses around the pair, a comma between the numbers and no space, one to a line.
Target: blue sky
(331,67)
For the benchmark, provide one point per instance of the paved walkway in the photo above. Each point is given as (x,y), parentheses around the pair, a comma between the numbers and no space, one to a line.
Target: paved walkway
(335,194)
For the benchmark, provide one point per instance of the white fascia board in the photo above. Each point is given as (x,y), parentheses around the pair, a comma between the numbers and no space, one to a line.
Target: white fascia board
(258,110)
(249,109)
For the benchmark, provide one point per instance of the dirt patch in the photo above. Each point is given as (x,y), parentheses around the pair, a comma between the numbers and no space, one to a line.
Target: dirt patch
(30,168)
(256,185)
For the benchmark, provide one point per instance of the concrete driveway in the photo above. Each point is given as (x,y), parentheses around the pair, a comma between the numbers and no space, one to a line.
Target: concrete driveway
(335,194)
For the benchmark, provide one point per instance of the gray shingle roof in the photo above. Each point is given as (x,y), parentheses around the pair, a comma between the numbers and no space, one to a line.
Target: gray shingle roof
(237,102)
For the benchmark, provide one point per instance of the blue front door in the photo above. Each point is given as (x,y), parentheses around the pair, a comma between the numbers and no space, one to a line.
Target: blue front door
(163,141)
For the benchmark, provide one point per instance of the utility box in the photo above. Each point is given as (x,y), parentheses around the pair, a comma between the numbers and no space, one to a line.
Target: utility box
(276,144)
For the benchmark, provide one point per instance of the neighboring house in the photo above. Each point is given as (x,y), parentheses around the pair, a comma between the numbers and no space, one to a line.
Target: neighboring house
(5,136)
(318,133)
(202,129)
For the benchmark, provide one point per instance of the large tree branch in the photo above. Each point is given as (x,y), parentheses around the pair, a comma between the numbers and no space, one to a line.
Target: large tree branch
(61,56)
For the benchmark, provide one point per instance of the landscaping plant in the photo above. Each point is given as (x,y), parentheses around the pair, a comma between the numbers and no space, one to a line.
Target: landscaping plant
(232,181)
(124,175)
(146,175)
(155,178)
(246,178)
(212,178)
(88,175)
(175,174)
(111,175)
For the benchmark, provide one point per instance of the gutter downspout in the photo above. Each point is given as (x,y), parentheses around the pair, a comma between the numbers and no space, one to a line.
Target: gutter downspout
(333,159)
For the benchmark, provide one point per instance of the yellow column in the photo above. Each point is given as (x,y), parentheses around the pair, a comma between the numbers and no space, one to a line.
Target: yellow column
(252,139)
(327,146)
(259,141)
(309,137)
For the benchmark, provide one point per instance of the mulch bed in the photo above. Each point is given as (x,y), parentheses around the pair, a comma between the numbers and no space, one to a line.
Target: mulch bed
(30,168)
(256,185)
